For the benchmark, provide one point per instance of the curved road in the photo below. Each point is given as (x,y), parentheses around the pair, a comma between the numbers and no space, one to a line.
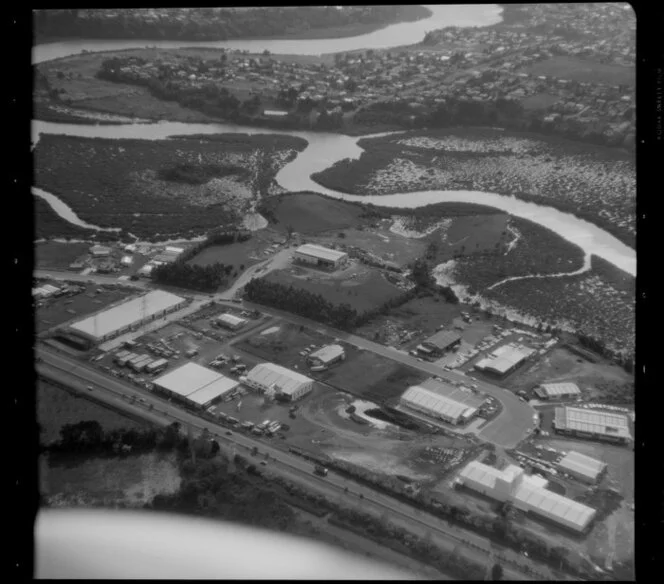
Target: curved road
(513,424)
(64,369)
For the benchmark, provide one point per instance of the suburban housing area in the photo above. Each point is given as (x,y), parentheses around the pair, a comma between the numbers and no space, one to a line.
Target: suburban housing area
(418,345)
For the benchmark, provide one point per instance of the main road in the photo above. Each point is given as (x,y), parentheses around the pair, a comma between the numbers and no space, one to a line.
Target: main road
(513,424)
(79,376)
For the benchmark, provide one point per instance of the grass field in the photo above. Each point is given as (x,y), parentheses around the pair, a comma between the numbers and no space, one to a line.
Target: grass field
(283,345)
(54,254)
(371,376)
(311,213)
(135,185)
(82,481)
(564,67)
(235,254)
(368,291)
(56,407)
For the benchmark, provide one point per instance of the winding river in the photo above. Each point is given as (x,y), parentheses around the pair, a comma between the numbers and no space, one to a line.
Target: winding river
(325,149)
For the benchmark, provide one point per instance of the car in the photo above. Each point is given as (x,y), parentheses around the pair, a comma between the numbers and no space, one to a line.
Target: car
(89,388)
(229,433)
(263,463)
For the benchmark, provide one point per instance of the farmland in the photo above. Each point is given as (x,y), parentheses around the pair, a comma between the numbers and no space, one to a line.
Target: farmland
(57,407)
(596,184)
(164,188)
(565,67)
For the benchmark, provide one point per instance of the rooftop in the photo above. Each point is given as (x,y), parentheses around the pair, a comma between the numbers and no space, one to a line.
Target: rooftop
(231,319)
(212,390)
(270,374)
(505,357)
(553,389)
(321,252)
(123,315)
(593,421)
(327,353)
(188,379)
(443,339)
(419,397)
(582,464)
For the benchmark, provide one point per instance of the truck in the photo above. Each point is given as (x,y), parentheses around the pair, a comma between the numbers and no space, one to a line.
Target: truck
(320,470)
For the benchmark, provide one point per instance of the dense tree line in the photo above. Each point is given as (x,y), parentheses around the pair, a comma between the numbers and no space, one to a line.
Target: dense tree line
(213,24)
(198,174)
(194,277)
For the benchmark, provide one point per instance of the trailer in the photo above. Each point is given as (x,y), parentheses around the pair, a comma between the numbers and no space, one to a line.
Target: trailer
(157,366)
(140,366)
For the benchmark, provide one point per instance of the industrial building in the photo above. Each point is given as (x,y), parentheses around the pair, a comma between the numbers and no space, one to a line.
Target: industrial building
(317,255)
(195,385)
(100,251)
(557,390)
(582,467)
(277,380)
(442,401)
(505,359)
(527,493)
(123,317)
(230,321)
(327,355)
(440,343)
(595,424)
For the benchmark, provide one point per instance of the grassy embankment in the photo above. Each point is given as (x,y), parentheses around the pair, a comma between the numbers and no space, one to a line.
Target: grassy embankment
(49,225)
(593,183)
(161,189)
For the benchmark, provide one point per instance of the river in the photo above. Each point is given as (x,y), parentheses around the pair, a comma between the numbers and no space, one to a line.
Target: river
(325,149)
(405,33)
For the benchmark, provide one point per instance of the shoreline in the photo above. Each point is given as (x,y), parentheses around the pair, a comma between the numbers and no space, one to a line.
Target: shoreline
(415,12)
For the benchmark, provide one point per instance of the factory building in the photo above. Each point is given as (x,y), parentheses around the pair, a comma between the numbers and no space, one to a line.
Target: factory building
(126,316)
(440,343)
(598,425)
(442,401)
(505,359)
(230,321)
(327,355)
(558,391)
(279,381)
(582,467)
(319,256)
(195,385)
(527,493)
(100,251)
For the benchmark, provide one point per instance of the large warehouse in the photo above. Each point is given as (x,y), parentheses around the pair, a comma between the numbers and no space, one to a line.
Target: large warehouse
(582,467)
(441,342)
(271,378)
(504,359)
(317,255)
(195,385)
(327,355)
(121,318)
(528,493)
(592,424)
(442,401)
(557,390)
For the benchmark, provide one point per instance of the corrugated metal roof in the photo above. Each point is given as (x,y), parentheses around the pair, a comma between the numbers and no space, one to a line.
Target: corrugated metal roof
(481,474)
(187,379)
(582,464)
(452,392)
(443,339)
(420,398)
(553,389)
(212,390)
(534,498)
(318,251)
(328,353)
(231,319)
(124,315)
(269,374)
(592,421)
(505,357)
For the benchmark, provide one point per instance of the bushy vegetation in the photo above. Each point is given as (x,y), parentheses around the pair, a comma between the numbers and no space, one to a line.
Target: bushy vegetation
(194,277)
(198,174)
(117,183)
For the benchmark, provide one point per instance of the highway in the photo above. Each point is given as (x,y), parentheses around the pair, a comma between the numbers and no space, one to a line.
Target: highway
(77,375)
(511,426)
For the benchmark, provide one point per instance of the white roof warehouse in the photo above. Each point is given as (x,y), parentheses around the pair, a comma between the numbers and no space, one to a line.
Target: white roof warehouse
(320,253)
(114,321)
(528,493)
(195,384)
(270,377)
(581,466)
(441,400)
